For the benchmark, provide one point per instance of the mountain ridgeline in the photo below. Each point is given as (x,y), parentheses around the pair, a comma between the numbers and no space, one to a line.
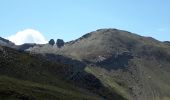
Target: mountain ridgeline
(107,64)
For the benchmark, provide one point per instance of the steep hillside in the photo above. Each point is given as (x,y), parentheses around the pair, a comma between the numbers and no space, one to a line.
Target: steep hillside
(17,89)
(136,67)
(32,77)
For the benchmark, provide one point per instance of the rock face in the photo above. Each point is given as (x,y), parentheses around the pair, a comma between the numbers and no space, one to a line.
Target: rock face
(60,43)
(117,61)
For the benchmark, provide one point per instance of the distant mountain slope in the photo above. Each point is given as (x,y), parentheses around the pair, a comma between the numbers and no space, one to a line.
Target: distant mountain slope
(5,42)
(103,42)
(136,67)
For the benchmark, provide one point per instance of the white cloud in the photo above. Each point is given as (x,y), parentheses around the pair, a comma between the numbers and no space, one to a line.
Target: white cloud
(27,36)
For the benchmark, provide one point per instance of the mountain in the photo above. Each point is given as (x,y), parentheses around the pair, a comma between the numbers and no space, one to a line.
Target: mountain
(5,42)
(25,76)
(134,66)
(25,46)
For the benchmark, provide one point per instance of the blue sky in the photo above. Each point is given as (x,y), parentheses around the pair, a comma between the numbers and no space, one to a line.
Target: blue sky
(70,19)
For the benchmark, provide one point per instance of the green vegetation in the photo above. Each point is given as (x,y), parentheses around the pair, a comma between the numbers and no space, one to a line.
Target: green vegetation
(14,89)
(25,77)
(108,82)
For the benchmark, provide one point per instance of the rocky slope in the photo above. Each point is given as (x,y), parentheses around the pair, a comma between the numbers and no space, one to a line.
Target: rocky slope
(136,67)
(34,77)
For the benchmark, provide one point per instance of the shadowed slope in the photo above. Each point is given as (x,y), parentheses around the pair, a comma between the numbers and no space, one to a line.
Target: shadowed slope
(136,67)
(21,73)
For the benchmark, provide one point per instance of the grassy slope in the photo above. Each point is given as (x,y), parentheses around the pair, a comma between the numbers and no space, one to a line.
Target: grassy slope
(26,77)
(108,81)
(11,89)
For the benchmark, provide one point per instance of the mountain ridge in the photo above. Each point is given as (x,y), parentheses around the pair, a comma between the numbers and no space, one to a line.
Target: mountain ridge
(138,77)
(18,67)
(130,65)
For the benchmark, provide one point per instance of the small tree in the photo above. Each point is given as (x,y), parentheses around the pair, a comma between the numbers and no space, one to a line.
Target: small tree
(52,42)
(60,43)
